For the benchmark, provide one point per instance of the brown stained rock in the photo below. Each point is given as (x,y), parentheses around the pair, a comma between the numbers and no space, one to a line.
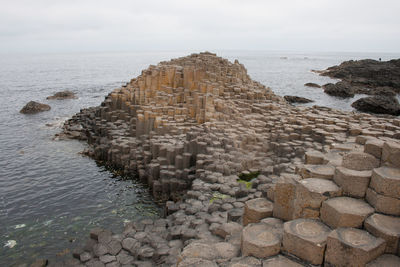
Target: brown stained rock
(280,261)
(383,204)
(260,240)
(306,239)
(391,154)
(354,183)
(310,193)
(314,157)
(387,228)
(386,260)
(350,247)
(374,147)
(284,196)
(386,181)
(317,171)
(345,212)
(256,209)
(360,161)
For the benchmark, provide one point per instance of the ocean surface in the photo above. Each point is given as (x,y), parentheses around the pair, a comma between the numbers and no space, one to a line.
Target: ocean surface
(50,195)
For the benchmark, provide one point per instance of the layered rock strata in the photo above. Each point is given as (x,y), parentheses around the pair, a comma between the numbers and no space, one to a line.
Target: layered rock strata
(193,128)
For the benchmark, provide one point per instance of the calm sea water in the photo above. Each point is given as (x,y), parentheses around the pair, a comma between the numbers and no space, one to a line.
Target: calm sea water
(50,195)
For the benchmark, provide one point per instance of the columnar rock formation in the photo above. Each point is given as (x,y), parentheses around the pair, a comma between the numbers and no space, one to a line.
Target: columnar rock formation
(249,180)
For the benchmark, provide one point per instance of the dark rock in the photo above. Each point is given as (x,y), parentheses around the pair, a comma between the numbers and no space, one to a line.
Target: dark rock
(39,263)
(312,85)
(63,95)
(378,104)
(341,89)
(297,99)
(34,107)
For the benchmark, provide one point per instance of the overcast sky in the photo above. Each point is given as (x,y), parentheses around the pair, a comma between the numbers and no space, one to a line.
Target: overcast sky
(129,25)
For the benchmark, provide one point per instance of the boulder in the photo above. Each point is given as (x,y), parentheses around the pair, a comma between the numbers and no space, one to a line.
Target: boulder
(63,95)
(297,99)
(33,107)
(340,89)
(379,104)
(312,85)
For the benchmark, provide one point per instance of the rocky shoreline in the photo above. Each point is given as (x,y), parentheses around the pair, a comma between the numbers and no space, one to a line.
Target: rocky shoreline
(246,178)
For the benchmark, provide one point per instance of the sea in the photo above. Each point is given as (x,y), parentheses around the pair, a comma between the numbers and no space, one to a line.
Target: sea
(50,194)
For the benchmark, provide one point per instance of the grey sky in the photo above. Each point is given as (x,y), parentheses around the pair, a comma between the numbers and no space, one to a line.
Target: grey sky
(124,25)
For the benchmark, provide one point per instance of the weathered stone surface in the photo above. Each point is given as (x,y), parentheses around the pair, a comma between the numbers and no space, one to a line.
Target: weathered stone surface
(386,260)
(317,171)
(386,181)
(384,204)
(310,193)
(281,261)
(260,240)
(245,262)
(189,262)
(33,107)
(374,147)
(391,154)
(387,228)
(284,196)
(306,239)
(63,95)
(256,209)
(230,228)
(353,183)
(350,247)
(345,212)
(314,157)
(359,161)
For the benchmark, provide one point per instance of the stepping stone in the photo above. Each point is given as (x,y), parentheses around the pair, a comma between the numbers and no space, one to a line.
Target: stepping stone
(257,209)
(317,171)
(386,260)
(230,228)
(384,204)
(306,239)
(387,228)
(374,147)
(314,157)
(386,181)
(350,247)
(333,158)
(260,240)
(391,154)
(280,261)
(345,212)
(354,183)
(310,193)
(359,161)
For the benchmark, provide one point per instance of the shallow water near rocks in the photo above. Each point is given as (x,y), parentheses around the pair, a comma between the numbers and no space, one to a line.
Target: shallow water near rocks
(50,195)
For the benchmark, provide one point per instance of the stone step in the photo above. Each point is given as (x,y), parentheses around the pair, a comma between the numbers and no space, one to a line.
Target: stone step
(314,157)
(386,181)
(360,161)
(391,154)
(256,209)
(333,158)
(345,212)
(386,260)
(317,171)
(387,228)
(261,240)
(383,204)
(310,193)
(353,183)
(306,239)
(374,147)
(350,247)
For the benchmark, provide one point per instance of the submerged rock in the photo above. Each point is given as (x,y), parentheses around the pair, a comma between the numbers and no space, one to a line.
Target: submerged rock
(312,85)
(297,99)
(378,104)
(34,107)
(63,95)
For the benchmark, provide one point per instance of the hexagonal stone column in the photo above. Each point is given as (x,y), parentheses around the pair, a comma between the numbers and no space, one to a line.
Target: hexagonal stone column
(384,204)
(310,193)
(386,260)
(261,240)
(306,239)
(386,181)
(387,228)
(354,183)
(360,161)
(257,209)
(374,147)
(345,212)
(317,171)
(391,154)
(314,157)
(350,247)
(280,261)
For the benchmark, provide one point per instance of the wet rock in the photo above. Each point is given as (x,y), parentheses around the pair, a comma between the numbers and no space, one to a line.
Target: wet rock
(63,95)
(378,104)
(312,85)
(33,107)
(297,99)
(340,89)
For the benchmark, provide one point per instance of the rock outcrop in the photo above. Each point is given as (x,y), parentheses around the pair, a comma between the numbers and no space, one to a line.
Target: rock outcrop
(378,104)
(248,180)
(297,99)
(63,95)
(33,107)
